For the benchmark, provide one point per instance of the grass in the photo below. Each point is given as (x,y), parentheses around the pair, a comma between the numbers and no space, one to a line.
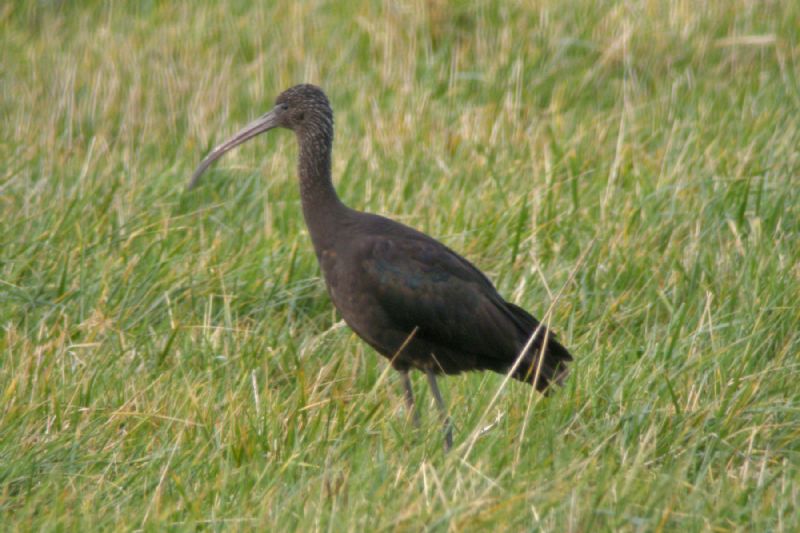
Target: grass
(171,359)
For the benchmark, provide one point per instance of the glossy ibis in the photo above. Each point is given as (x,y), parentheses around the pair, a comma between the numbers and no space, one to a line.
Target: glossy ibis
(411,298)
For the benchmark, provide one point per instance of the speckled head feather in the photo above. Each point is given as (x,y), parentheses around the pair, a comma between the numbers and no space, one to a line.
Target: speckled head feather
(305,109)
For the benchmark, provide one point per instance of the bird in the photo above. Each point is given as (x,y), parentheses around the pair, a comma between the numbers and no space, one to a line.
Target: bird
(411,298)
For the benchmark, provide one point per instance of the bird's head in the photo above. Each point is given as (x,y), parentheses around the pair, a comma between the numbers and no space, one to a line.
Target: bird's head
(303,109)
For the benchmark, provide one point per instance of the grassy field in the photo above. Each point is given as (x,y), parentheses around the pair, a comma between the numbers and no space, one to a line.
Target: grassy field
(630,170)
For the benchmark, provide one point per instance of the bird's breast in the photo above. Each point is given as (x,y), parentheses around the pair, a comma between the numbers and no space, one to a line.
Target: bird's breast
(336,277)
(346,287)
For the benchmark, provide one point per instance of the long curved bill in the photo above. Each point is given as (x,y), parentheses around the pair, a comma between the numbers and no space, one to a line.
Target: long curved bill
(264,123)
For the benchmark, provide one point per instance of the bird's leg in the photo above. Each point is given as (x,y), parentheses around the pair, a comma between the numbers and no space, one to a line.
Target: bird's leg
(409,397)
(448,426)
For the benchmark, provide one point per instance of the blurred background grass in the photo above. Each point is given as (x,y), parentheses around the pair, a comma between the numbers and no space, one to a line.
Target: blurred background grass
(172,360)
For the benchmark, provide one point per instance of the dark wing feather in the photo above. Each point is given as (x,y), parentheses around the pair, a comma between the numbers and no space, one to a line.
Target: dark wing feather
(421,283)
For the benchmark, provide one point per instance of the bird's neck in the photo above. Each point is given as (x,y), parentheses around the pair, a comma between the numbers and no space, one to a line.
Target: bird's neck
(322,209)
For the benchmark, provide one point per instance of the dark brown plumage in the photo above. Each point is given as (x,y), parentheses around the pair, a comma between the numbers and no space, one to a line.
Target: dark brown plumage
(411,298)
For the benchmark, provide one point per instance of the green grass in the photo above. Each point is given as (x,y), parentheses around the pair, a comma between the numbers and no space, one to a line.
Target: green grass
(171,359)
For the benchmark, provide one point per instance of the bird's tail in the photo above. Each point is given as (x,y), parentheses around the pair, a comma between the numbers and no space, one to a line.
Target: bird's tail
(553,366)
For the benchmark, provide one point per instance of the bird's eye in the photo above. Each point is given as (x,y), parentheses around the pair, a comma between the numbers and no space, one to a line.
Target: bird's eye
(284,107)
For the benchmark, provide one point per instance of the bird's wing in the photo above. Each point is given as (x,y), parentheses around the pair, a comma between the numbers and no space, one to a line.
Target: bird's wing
(421,283)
